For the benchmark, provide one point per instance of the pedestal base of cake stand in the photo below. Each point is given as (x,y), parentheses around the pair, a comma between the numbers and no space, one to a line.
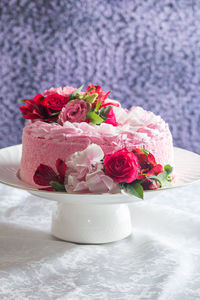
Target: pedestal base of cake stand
(91,223)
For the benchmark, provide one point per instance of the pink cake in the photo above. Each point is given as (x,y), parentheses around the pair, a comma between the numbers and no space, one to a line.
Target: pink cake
(46,142)
(84,142)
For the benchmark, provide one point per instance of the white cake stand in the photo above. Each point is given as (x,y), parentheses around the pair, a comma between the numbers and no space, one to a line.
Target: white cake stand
(94,218)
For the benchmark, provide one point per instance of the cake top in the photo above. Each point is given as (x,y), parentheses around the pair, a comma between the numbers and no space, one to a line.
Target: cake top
(61,111)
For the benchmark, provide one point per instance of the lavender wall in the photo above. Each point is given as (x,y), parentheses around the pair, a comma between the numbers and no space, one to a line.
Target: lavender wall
(146,52)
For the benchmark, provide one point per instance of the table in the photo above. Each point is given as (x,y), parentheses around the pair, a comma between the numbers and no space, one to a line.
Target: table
(161,260)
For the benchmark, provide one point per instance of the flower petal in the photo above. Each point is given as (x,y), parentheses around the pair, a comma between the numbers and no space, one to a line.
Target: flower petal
(155,170)
(61,168)
(91,155)
(44,174)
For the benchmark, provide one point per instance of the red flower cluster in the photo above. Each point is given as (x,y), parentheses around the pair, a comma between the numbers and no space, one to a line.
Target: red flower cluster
(128,166)
(53,107)
(45,108)
(134,171)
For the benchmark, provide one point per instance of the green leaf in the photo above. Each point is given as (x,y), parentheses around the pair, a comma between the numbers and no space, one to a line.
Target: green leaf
(168,169)
(163,178)
(123,185)
(92,88)
(76,94)
(94,118)
(107,109)
(89,91)
(104,111)
(57,186)
(145,151)
(23,101)
(90,98)
(135,189)
(54,114)
(98,105)
(156,178)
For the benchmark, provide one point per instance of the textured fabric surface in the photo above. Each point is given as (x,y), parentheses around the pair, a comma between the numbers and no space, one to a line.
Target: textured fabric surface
(160,261)
(146,52)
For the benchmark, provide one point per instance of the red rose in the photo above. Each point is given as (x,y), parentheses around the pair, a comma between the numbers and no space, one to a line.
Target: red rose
(41,107)
(102,96)
(55,102)
(121,166)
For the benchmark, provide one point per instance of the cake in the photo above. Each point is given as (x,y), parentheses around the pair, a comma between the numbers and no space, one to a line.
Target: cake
(63,122)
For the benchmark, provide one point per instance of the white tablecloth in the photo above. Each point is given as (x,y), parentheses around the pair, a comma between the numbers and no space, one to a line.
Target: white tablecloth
(161,260)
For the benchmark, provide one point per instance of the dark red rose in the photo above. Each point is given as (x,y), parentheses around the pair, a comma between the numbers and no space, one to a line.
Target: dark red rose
(121,166)
(102,96)
(55,102)
(41,107)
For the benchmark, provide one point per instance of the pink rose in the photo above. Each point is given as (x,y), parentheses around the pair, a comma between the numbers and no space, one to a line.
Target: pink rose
(121,166)
(74,111)
(53,91)
(66,91)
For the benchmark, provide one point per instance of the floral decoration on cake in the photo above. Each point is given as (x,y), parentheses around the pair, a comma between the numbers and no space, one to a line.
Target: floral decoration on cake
(90,170)
(69,104)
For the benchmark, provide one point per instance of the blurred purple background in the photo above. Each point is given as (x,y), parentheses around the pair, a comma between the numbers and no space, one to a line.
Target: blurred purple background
(146,52)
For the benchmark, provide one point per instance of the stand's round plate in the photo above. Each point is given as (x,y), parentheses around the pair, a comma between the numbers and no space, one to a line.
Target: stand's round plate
(187,170)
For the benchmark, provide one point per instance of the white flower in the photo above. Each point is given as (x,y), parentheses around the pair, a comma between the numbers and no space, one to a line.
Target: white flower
(84,172)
